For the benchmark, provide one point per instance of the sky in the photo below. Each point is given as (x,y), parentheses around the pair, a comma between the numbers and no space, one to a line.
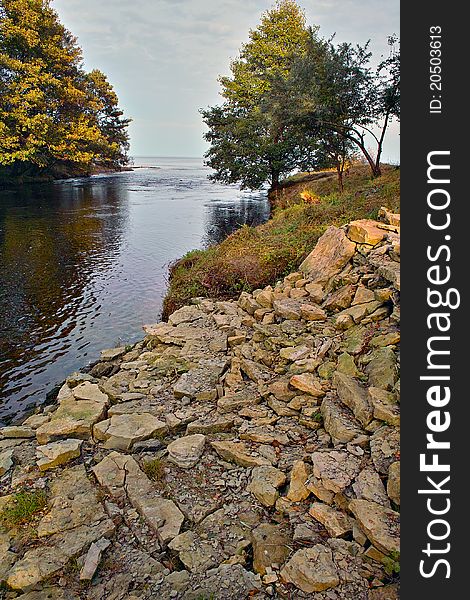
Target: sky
(163,57)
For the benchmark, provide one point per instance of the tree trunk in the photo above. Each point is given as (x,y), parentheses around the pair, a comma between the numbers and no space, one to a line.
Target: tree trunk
(339,171)
(273,190)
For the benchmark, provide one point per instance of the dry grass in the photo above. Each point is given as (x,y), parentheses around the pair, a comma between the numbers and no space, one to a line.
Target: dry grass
(254,257)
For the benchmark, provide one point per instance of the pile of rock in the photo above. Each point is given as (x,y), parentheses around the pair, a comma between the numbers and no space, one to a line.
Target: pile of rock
(245,448)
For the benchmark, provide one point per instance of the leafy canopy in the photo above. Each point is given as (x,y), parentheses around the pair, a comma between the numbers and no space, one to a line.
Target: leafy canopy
(51,111)
(250,135)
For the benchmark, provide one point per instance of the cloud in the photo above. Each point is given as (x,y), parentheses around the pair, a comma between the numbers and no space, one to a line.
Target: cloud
(164,56)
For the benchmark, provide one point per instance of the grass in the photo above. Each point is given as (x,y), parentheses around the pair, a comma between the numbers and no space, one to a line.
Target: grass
(154,469)
(23,507)
(254,257)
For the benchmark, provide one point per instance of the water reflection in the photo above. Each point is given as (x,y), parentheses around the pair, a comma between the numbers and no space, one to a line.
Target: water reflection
(83,264)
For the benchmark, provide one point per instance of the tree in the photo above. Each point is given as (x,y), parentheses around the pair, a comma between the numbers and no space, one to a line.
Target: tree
(250,142)
(338,94)
(51,111)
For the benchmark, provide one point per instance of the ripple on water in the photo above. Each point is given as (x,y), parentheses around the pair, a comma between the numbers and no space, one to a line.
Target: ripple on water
(83,264)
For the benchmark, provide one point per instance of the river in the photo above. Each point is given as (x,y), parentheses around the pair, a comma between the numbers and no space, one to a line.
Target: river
(84,264)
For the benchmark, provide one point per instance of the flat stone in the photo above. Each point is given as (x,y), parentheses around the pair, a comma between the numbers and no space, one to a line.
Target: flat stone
(54,454)
(308,383)
(186,451)
(271,545)
(347,365)
(112,353)
(211,424)
(299,475)
(354,396)
(341,298)
(295,353)
(369,486)
(74,502)
(382,368)
(256,371)
(16,431)
(90,391)
(264,484)
(200,383)
(332,252)
(363,294)
(312,312)
(186,314)
(393,483)
(288,308)
(238,453)
(35,421)
(385,448)
(386,592)
(120,475)
(337,523)
(339,421)
(380,524)
(266,297)
(43,562)
(120,432)
(234,402)
(311,569)
(93,558)
(359,311)
(74,418)
(6,461)
(365,231)
(335,469)
(316,292)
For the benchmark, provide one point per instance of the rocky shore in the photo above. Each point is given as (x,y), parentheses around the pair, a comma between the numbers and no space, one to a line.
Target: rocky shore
(243,449)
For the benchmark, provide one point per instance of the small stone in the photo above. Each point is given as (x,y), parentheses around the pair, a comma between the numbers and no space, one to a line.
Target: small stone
(306,382)
(288,308)
(339,421)
(93,558)
(57,453)
(365,231)
(265,483)
(341,298)
(393,483)
(335,469)
(16,431)
(315,291)
(385,448)
(112,353)
(271,546)
(238,453)
(186,451)
(380,524)
(120,432)
(354,397)
(311,569)
(382,369)
(295,353)
(337,523)
(369,486)
(312,312)
(6,461)
(298,479)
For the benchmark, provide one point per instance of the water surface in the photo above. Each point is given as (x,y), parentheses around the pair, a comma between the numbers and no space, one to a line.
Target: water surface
(84,263)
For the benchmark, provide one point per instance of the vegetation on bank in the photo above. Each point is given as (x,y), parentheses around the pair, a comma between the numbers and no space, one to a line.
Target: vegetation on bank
(254,257)
(56,119)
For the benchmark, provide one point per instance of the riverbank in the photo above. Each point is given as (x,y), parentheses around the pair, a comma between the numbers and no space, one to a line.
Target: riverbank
(58,175)
(254,257)
(245,448)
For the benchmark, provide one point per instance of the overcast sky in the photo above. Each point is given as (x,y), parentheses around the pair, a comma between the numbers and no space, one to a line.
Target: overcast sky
(163,56)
